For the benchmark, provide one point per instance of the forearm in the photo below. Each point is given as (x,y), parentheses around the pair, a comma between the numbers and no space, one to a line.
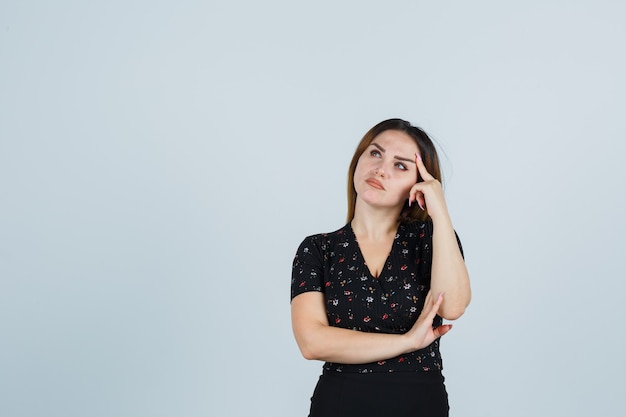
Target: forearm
(333,344)
(449,273)
(318,340)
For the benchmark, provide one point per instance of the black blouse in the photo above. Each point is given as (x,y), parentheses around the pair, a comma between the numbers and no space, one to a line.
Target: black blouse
(332,263)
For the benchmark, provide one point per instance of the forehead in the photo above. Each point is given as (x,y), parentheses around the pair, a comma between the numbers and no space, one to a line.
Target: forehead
(397,141)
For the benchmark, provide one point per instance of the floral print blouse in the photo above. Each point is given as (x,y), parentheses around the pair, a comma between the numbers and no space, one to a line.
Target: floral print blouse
(332,263)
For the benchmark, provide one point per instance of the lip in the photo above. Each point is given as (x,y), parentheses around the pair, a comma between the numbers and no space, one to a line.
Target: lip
(375,183)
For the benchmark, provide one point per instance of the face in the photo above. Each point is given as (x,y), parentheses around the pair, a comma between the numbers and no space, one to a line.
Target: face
(386,171)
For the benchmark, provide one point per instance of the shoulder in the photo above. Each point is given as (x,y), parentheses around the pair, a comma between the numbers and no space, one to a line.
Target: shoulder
(423,231)
(330,239)
(415,228)
(312,259)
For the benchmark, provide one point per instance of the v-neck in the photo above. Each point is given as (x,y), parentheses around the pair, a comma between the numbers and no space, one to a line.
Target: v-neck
(362,256)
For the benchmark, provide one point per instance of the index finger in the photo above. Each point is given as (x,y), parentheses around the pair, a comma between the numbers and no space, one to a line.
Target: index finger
(434,309)
(421,168)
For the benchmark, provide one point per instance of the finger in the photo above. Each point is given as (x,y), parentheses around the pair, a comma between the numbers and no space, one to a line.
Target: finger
(437,302)
(441,330)
(421,201)
(413,194)
(429,298)
(427,302)
(430,316)
(416,195)
(422,168)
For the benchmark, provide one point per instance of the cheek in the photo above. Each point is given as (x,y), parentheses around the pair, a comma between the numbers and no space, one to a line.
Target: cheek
(357,174)
(362,161)
(406,187)
(362,167)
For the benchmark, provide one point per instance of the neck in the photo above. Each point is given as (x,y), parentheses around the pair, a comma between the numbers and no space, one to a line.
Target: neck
(374,223)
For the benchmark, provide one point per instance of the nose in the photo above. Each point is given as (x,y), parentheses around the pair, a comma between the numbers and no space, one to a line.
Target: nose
(379,172)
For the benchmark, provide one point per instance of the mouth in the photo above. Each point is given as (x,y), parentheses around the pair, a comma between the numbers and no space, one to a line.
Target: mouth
(374,183)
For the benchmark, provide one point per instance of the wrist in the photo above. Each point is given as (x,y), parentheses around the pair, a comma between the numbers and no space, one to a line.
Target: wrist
(441,219)
(407,343)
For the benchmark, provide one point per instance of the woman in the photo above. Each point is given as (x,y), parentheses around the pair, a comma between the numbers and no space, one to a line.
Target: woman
(369,298)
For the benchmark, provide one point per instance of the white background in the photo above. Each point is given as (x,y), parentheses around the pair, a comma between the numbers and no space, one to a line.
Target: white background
(161,161)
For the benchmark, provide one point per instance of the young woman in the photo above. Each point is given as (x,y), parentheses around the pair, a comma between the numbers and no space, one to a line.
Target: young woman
(369,298)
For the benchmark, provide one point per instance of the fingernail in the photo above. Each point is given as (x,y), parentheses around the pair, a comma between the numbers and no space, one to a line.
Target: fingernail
(409,202)
(421,206)
(418,156)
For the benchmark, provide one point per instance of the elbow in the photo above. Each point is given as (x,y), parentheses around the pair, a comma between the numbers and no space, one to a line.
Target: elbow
(309,353)
(311,341)
(309,348)
(452,314)
(455,308)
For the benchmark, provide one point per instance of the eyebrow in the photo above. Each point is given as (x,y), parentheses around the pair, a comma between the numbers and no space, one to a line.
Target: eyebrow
(395,156)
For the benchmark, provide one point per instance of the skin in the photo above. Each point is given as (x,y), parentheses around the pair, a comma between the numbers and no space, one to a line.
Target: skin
(385,177)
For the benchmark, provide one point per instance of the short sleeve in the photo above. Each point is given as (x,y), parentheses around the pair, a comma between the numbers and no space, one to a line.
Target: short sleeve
(425,249)
(458,240)
(307,273)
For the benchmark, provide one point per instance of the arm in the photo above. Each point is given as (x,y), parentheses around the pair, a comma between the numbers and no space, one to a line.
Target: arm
(318,340)
(449,273)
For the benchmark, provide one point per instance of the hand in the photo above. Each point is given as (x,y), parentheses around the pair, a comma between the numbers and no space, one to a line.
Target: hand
(422,333)
(428,193)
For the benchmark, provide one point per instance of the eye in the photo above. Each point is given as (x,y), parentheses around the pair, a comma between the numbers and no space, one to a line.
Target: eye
(375,153)
(401,166)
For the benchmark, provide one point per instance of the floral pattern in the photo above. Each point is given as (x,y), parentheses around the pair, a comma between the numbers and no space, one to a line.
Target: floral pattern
(332,263)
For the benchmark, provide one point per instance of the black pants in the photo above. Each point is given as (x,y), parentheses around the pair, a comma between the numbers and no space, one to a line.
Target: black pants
(396,394)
